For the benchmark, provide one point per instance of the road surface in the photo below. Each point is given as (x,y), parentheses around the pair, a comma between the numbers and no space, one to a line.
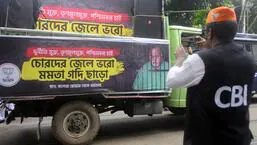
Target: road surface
(117,129)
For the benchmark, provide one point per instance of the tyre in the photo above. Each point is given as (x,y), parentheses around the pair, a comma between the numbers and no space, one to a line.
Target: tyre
(177,111)
(76,123)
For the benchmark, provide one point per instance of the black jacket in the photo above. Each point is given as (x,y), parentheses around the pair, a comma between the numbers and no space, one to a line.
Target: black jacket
(218,107)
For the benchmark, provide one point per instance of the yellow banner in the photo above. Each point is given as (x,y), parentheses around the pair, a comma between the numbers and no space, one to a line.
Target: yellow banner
(74,69)
(83,27)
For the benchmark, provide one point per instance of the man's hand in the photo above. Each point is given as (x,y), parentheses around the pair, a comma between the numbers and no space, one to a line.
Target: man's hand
(180,55)
(201,43)
(200,39)
(180,52)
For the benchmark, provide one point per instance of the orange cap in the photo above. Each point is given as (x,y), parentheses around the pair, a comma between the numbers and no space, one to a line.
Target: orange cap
(221,14)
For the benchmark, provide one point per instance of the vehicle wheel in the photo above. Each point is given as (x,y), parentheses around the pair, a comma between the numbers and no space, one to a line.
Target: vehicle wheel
(177,111)
(76,123)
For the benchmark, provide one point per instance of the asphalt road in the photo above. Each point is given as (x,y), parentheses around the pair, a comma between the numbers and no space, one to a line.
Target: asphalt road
(117,129)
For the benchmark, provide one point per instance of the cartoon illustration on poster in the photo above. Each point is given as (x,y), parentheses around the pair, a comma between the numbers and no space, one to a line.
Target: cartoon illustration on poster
(152,75)
(104,17)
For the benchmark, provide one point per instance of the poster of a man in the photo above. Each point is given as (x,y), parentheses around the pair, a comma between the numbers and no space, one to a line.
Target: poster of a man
(151,75)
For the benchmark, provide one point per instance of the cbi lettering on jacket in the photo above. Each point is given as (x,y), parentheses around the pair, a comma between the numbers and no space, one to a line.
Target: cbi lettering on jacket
(231,97)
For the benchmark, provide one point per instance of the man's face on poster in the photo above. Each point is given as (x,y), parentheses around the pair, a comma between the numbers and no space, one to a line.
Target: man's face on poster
(156,58)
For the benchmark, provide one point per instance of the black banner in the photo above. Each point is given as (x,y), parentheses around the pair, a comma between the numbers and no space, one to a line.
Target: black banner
(87,16)
(47,66)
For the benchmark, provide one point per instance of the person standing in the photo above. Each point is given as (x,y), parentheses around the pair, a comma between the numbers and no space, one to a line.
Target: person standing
(219,81)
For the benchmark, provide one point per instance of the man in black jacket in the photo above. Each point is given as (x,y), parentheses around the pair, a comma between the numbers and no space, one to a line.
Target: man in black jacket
(220,81)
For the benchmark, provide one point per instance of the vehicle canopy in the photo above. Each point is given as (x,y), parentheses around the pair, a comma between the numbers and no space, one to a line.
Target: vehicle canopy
(83,47)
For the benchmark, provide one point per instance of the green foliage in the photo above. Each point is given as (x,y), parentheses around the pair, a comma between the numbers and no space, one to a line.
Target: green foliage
(252,17)
(227,3)
(182,12)
(199,19)
(200,16)
(180,18)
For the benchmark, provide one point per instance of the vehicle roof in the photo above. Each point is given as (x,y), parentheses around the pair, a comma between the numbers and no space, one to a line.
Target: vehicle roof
(239,36)
(185,28)
(246,37)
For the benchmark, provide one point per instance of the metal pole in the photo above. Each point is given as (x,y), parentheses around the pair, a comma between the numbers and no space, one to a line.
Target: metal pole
(242,16)
(244,21)
(7,13)
(243,6)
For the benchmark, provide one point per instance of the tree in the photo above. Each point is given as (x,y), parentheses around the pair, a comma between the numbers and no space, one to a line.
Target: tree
(175,10)
(252,17)
(193,13)
(251,14)
(200,16)
(196,11)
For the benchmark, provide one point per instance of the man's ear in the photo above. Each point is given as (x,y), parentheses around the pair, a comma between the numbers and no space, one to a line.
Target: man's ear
(209,39)
(210,35)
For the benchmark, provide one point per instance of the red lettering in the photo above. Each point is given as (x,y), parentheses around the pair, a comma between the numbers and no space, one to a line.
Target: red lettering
(79,14)
(73,52)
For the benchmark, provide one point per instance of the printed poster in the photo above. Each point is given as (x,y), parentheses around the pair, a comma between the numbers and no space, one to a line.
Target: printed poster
(104,17)
(47,66)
